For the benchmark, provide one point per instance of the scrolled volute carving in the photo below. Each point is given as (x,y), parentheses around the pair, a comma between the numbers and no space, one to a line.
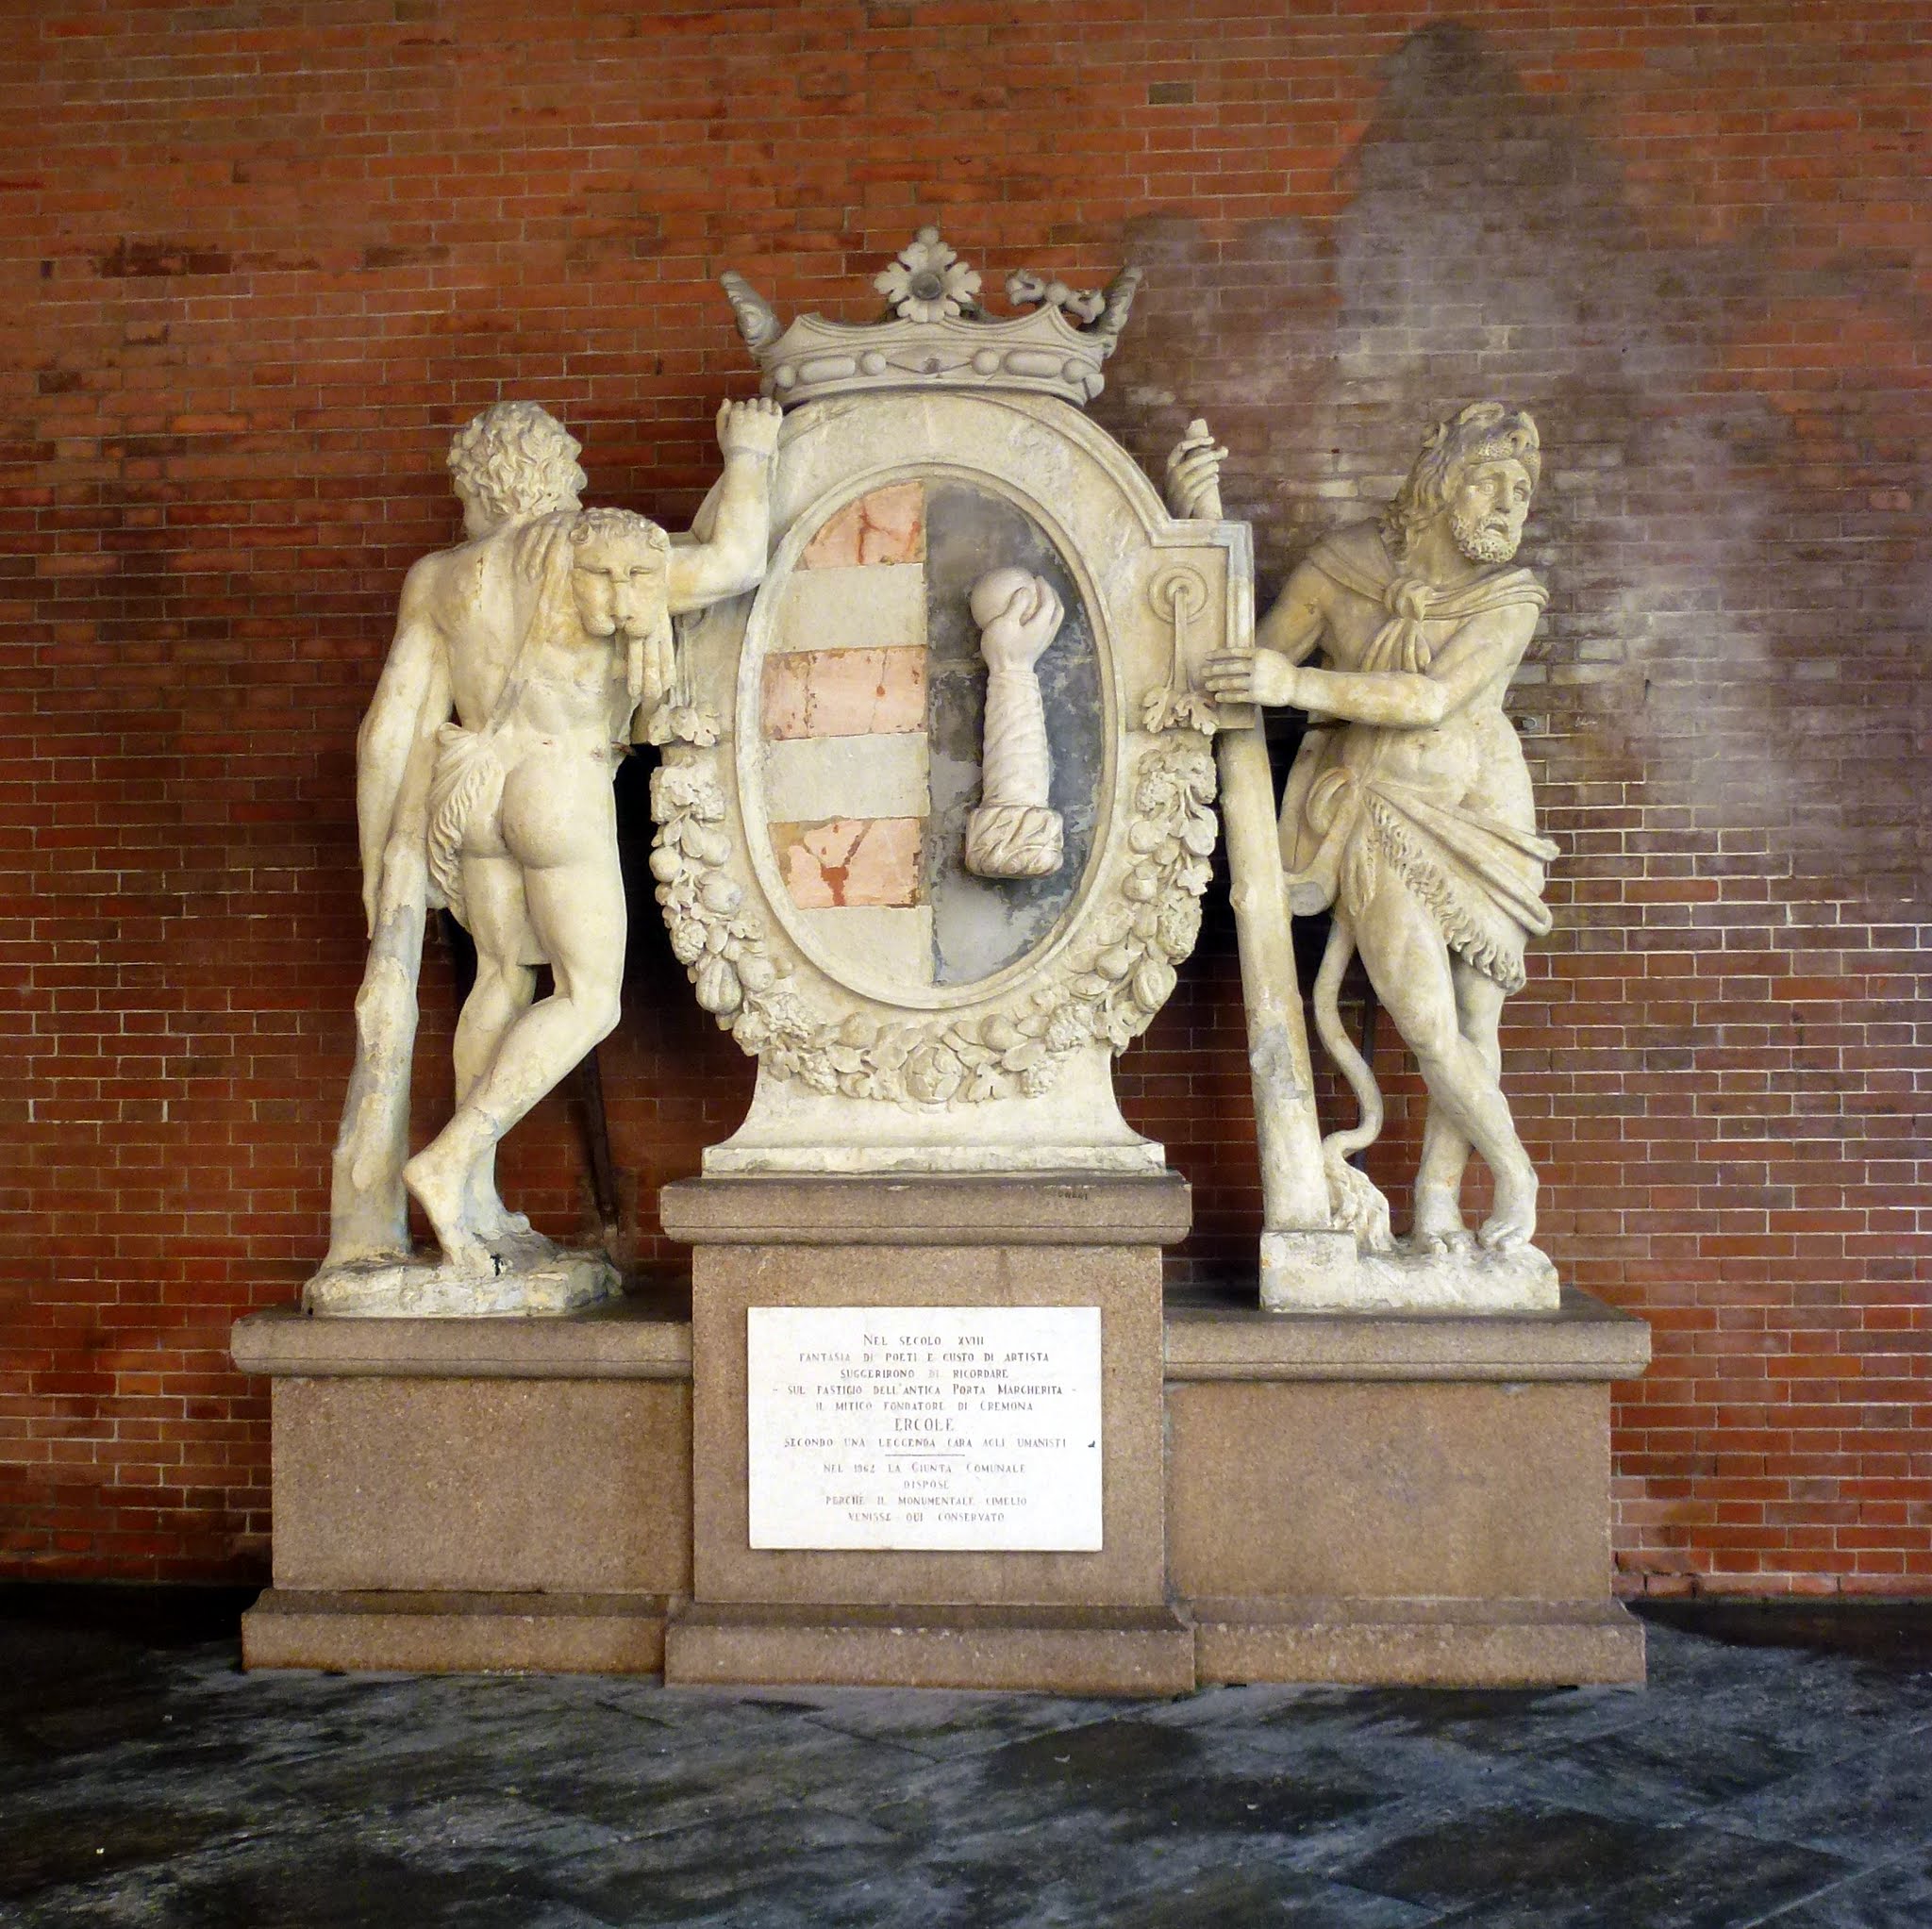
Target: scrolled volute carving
(1179,594)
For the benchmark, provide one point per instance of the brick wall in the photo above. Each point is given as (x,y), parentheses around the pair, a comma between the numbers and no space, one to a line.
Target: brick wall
(259,259)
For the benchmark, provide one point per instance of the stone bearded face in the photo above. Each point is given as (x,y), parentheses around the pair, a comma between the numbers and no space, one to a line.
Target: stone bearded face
(1478,470)
(1487,503)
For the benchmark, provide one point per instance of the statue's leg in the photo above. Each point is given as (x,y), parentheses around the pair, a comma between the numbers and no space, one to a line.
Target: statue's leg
(437,1177)
(1437,1226)
(1445,1151)
(499,922)
(564,820)
(1409,965)
(559,822)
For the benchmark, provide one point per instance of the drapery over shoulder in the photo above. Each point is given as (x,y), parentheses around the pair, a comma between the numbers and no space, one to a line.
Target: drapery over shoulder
(1343,821)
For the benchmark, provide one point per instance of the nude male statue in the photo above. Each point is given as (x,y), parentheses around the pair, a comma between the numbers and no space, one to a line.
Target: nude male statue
(1409,809)
(546,633)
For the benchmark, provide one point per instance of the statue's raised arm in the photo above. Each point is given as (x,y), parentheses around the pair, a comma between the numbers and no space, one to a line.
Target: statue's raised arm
(725,554)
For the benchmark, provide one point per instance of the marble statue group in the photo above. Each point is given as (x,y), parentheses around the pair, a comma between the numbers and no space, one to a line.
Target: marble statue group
(530,658)
(952,713)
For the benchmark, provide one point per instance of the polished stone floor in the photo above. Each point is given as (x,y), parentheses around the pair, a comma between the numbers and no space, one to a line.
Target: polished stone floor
(1778,1771)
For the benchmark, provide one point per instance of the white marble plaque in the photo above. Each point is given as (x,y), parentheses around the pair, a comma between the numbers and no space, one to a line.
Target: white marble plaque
(959,1428)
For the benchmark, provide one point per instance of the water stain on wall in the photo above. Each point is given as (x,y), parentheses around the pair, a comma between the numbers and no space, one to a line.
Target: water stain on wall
(1737,577)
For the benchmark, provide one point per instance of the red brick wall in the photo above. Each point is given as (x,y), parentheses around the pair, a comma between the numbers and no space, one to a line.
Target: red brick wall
(259,259)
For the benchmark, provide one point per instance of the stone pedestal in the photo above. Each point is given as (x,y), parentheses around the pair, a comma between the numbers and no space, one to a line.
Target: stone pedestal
(470,1494)
(1412,1499)
(1091,1623)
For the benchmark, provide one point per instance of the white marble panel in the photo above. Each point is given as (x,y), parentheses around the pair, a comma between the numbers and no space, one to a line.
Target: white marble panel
(868,605)
(924,1427)
(892,939)
(811,777)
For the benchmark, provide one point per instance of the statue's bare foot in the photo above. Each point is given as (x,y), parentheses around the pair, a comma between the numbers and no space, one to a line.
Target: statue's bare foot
(513,1243)
(1438,1228)
(494,1220)
(1513,1221)
(440,1193)
(521,1251)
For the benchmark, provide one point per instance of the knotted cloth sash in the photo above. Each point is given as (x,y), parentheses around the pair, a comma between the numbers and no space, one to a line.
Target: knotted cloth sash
(1401,642)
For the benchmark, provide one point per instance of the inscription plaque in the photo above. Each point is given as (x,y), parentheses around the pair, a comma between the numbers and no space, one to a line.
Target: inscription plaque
(929,1428)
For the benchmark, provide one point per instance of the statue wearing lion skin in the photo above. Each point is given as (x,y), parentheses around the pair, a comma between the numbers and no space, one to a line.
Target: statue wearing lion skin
(1408,811)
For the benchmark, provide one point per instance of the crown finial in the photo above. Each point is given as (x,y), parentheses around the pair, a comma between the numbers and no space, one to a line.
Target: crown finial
(936,334)
(928,282)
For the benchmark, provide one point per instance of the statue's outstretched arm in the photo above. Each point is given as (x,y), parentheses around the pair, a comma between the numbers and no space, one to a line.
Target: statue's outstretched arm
(1482,655)
(395,744)
(1289,632)
(733,529)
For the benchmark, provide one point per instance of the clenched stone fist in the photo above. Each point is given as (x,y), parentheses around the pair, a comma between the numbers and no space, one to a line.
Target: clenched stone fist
(1018,615)
(1193,474)
(749,429)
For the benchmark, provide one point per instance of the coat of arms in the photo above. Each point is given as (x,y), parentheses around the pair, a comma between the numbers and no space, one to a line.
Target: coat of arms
(946,852)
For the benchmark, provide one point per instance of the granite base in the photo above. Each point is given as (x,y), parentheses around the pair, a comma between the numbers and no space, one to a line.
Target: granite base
(1412,1499)
(781,1615)
(444,1633)
(1418,1643)
(1398,1498)
(1118,1650)
(466,1495)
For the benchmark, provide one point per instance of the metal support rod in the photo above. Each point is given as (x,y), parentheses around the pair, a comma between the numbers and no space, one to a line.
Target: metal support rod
(590,1076)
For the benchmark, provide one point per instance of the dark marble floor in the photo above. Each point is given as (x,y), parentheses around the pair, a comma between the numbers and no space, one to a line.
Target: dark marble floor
(143,1780)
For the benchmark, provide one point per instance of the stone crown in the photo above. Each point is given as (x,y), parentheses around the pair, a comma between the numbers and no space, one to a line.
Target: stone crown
(936,334)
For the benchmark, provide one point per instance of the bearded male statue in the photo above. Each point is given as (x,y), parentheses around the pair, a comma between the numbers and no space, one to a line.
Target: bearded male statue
(521,661)
(1408,812)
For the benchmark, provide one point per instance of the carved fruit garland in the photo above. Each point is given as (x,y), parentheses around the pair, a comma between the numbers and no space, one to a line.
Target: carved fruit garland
(1105,990)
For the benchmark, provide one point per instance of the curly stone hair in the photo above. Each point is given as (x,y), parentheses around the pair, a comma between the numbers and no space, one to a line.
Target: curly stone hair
(516,460)
(1483,432)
